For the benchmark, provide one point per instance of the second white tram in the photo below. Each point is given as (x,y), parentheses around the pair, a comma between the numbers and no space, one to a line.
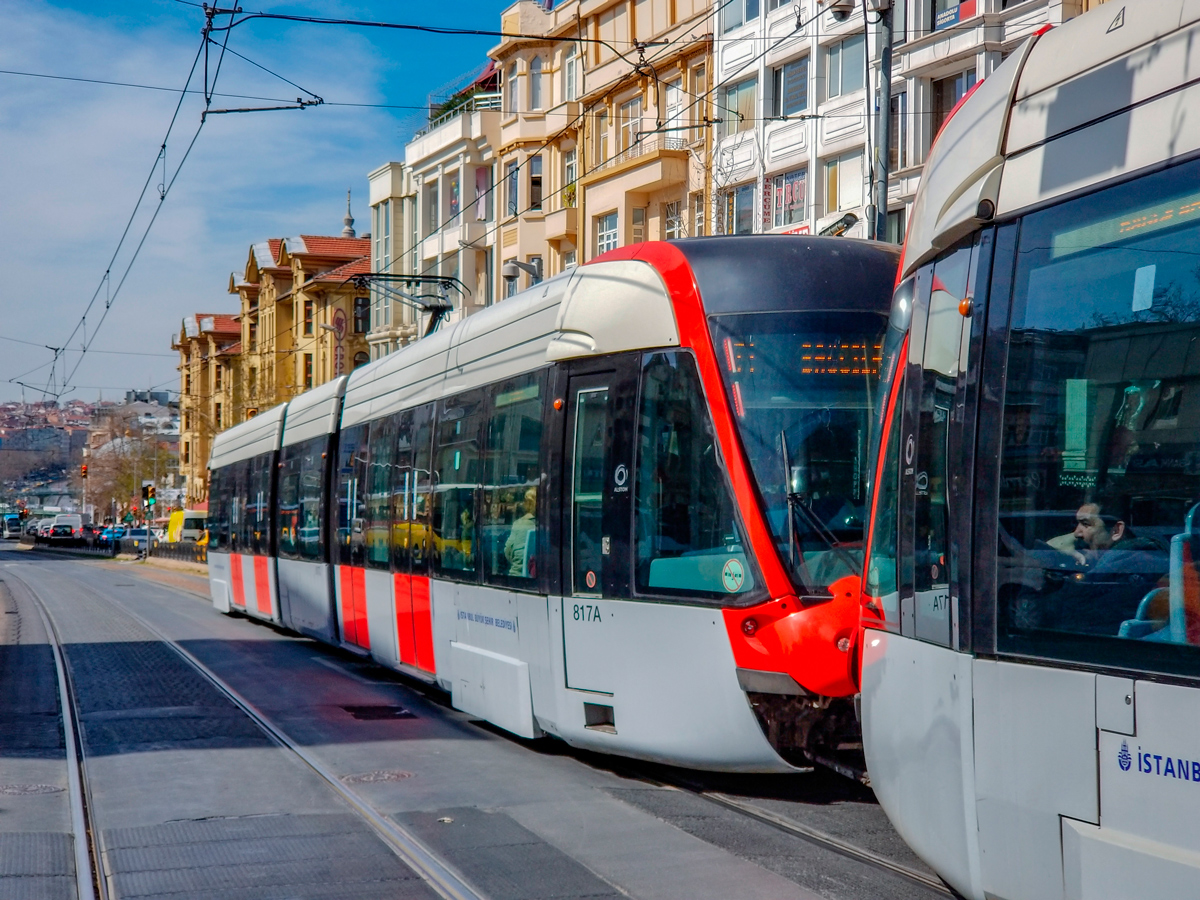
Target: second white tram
(1031,666)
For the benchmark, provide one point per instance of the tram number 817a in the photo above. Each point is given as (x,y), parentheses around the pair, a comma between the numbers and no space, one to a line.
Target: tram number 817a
(585,612)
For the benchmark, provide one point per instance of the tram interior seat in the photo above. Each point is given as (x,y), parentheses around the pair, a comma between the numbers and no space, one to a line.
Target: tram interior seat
(1153,614)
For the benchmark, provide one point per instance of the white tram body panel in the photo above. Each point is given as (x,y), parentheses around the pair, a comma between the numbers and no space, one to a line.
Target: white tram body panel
(244,580)
(1014,777)
(305,592)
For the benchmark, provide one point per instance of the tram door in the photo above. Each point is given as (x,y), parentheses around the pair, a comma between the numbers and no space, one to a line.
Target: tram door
(598,464)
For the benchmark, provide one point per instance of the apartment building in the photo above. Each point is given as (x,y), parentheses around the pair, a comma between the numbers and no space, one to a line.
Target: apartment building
(453,164)
(393,200)
(304,319)
(602,140)
(209,346)
(794,145)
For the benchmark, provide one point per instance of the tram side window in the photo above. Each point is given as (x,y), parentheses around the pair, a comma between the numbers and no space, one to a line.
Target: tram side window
(688,539)
(300,505)
(351,495)
(1099,516)
(259,522)
(288,510)
(379,492)
(239,476)
(403,531)
(512,472)
(218,510)
(455,484)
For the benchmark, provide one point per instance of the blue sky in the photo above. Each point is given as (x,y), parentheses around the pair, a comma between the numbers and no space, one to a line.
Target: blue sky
(75,157)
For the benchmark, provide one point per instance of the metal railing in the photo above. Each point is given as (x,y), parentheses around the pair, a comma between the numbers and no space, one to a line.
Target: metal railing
(471,104)
(184,551)
(642,148)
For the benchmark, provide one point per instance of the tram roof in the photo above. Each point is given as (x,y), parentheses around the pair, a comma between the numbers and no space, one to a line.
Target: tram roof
(314,413)
(789,272)
(254,436)
(1084,104)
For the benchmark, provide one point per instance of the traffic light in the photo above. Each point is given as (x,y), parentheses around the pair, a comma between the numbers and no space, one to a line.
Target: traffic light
(145,494)
(150,499)
(83,470)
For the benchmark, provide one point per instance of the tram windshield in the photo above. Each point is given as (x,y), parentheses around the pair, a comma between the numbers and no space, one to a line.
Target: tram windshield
(1099,519)
(802,386)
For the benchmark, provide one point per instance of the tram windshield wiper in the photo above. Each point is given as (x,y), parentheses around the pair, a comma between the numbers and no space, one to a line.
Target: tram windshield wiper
(799,504)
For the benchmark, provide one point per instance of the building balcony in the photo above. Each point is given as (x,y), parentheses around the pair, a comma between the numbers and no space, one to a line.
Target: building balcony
(525,127)
(648,165)
(562,223)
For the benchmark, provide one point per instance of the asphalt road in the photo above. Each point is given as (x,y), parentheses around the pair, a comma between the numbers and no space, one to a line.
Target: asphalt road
(189,798)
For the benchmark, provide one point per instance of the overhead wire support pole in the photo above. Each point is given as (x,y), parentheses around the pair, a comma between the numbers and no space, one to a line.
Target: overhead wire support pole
(883,128)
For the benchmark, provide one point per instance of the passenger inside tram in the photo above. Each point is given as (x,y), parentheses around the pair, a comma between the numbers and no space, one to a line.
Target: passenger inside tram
(522,535)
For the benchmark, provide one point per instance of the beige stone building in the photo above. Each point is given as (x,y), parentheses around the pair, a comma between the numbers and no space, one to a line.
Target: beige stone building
(209,346)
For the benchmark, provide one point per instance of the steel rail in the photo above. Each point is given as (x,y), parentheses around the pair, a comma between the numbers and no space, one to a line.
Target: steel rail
(796,829)
(438,874)
(90,880)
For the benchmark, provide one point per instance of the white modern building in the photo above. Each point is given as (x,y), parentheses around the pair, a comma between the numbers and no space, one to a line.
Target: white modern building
(793,151)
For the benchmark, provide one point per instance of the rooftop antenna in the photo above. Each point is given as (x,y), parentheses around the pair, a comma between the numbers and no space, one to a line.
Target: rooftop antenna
(348,222)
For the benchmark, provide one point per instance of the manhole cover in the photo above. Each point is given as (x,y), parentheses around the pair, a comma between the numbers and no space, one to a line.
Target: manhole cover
(379,712)
(376,777)
(19,789)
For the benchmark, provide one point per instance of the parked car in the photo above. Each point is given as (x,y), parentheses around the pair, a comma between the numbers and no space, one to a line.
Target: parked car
(142,539)
(111,533)
(63,534)
(44,527)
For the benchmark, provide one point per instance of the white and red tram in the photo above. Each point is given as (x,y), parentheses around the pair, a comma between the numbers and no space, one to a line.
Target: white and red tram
(1031,660)
(624,507)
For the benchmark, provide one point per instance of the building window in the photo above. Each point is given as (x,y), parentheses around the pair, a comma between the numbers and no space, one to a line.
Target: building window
(600,147)
(846,67)
(895,227)
(739,210)
(535,83)
(672,214)
(452,197)
(570,74)
(698,215)
(637,225)
(253,335)
(738,12)
(308,317)
(187,451)
(253,380)
(510,91)
(568,259)
(432,207)
(308,370)
(535,183)
(362,309)
(606,233)
(187,421)
(510,186)
(788,203)
(631,122)
(699,80)
(898,133)
(483,194)
(899,21)
(843,183)
(187,382)
(536,262)
(673,132)
(570,175)
(361,358)
(946,94)
(789,88)
(739,106)
(217,370)
(217,414)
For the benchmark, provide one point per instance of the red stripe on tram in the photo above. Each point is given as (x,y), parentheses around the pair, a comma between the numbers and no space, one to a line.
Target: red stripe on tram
(235,579)
(405,637)
(422,611)
(262,585)
(346,580)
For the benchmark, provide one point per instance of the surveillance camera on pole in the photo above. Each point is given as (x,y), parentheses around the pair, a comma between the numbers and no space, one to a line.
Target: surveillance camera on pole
(840,9)
(512,270)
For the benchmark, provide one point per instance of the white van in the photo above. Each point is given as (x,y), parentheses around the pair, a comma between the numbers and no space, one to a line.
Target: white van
(76,523)
(194,523)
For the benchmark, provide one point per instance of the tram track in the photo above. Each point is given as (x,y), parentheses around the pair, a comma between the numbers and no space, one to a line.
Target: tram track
(91,877)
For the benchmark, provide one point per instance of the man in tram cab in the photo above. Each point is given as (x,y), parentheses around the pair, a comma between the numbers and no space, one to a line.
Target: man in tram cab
(517,545)
(1097,532)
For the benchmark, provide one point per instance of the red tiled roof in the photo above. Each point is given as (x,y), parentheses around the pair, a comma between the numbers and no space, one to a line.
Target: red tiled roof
(275,244)
(233,349)
(360,266)
(225,324)
(345,248)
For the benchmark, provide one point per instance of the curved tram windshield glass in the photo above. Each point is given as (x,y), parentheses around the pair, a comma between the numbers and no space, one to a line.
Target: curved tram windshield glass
(802,386)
